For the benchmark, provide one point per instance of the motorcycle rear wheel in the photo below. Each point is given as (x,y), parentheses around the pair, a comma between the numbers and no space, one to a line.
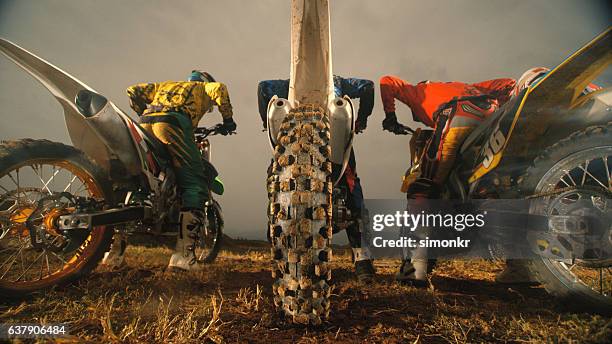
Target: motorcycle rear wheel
(31,170)
(582,160)
(300,190)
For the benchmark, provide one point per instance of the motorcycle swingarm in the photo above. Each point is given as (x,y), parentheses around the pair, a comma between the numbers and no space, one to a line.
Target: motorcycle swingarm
(558,237)
(104,218)
(562,224)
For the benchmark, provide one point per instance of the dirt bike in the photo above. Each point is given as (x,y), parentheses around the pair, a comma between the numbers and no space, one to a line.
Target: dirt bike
(550,144)
(311,134)
(60,205)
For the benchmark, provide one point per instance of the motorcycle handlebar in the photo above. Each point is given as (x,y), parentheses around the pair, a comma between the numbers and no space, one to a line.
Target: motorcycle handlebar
(214,130)
(406,131)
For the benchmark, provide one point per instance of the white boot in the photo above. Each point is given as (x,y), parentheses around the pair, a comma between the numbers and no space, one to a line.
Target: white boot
(413,272)
(361,254)
(184,257)
(115,257)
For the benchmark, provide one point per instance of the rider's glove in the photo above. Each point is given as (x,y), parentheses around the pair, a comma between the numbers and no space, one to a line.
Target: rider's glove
(228,126)
(391,124)
(360,125)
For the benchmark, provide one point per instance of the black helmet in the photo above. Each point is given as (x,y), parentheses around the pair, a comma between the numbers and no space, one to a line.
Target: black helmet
(198,75)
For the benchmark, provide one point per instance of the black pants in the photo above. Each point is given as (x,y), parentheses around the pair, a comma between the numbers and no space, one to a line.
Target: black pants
(351,182)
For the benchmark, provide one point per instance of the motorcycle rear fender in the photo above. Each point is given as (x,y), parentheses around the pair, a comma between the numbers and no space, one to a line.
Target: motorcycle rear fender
(341,126)
(101,130)
(552,108)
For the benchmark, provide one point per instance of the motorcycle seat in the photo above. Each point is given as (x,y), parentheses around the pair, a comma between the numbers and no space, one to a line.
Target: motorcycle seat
(155,144)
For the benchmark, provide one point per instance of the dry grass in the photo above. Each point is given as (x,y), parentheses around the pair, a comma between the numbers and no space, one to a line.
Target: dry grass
(230,301)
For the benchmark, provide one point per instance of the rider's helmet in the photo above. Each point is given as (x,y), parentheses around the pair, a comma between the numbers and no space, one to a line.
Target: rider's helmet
(529,78)
(198,75)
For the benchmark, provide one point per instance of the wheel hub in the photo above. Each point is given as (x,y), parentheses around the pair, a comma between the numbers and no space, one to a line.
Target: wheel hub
(50,220)
(595,205)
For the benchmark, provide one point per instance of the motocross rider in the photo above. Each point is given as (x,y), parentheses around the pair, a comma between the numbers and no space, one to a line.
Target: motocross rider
(170,110)
(433,103)
(353,88)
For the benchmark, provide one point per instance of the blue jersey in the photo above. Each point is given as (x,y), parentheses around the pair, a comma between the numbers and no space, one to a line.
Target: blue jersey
(350,87)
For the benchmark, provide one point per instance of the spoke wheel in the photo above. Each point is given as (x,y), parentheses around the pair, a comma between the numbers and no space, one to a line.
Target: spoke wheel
(589,173)
(574,176)
(30,182)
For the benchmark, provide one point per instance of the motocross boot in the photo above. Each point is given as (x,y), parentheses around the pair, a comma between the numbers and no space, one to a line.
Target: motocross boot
(364,270)
(515,273)
(415,272)
(364,267)
(115,257)
(184,257)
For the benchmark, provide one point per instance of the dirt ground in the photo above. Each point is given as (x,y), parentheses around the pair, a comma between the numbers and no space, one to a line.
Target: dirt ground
(231,302)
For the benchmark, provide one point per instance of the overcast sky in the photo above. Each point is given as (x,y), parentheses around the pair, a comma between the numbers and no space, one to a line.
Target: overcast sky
(113,44)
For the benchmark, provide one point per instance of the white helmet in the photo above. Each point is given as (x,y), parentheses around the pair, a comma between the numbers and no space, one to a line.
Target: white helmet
(528,78)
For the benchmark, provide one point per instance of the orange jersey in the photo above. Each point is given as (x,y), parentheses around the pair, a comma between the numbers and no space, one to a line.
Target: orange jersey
(426,97)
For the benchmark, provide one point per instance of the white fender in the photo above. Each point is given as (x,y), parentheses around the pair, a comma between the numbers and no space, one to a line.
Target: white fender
(102,135)
(310,79)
